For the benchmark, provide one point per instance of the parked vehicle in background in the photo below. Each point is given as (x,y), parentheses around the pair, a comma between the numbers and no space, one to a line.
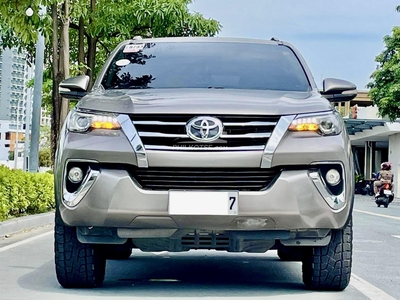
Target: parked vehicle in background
(205,143)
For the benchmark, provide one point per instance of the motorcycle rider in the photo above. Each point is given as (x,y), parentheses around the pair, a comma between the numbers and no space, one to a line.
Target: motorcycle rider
(385,176)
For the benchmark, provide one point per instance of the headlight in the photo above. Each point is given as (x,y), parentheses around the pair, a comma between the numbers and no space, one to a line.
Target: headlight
(81,122)
(323,123)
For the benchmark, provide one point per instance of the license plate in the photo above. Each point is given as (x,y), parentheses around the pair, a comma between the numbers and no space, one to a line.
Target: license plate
(203,203)
(387,192)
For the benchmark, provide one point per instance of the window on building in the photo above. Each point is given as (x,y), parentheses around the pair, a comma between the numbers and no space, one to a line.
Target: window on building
(8,136)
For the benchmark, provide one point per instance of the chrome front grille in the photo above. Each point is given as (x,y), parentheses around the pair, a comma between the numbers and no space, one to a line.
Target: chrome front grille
(204,178)
(168,132)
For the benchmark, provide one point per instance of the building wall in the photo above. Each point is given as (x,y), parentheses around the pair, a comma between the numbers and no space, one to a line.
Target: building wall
(5,142)
(45,118)
(14,76)
(5,82)
(394,158)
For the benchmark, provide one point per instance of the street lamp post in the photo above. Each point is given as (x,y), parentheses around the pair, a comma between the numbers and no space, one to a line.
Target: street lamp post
(27,124)
(16,142)
(37,102)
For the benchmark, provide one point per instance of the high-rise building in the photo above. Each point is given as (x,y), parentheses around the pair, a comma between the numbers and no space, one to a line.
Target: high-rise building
(14,75)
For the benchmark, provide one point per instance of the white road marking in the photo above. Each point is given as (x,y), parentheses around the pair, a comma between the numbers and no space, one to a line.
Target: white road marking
(8,247)
(377,215)
(396,236)
(369,290)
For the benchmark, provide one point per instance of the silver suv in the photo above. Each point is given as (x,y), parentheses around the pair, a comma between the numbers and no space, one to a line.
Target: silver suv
(204,143)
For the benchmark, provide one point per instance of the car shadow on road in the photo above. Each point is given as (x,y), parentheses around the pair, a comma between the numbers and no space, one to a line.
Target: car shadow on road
(192,274)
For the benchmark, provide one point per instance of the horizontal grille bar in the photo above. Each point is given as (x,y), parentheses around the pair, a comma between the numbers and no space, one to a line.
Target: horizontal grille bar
(226,124)
(154,122)
(223,136)
(161,135)
(206,148)
(204,179)
(251,124)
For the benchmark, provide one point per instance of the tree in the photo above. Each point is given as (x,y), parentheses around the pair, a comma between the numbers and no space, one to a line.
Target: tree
(79,36)
(45,158)
(385,80)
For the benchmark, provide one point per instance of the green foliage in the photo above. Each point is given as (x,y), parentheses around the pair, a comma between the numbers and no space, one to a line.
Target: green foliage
(24,193)
(385,80)
(45,133)
(10,155)
(358,177)
(45,158)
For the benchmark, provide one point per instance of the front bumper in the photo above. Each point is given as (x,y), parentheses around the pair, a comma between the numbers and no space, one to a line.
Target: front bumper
(111,198)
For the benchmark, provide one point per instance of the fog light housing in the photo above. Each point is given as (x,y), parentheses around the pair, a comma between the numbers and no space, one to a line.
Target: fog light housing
(332,177)
(75,175)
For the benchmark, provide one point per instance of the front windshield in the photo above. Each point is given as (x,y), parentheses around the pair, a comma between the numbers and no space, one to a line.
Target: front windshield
(206,65)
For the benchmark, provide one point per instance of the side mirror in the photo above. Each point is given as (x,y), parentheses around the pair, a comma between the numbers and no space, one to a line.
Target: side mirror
(74,87)
(338,90)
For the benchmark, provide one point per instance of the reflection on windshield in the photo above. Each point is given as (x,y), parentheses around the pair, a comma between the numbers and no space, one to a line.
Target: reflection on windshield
(205,65)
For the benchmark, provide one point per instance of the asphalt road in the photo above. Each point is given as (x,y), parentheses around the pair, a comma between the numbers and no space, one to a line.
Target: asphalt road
(27,268)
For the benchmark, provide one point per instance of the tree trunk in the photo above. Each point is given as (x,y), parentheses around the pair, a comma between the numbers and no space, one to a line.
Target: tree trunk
(64,57)
(81,42)
(91,62)
(56,98)
(92,42)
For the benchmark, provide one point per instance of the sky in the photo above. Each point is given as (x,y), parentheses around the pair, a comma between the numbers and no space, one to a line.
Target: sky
(339,38)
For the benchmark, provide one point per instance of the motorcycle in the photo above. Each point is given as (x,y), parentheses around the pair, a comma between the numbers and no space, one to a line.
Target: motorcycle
(385,195)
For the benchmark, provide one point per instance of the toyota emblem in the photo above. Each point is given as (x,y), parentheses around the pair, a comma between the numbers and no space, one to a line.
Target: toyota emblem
(204,129)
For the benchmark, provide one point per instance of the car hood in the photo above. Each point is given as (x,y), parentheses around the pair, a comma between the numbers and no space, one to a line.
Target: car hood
(204,101)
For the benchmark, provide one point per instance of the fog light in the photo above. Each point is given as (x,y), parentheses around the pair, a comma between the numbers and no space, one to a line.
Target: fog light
(333,177)
(75,175)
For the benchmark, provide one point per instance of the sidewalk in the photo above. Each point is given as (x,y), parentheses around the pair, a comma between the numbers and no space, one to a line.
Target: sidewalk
(19,224)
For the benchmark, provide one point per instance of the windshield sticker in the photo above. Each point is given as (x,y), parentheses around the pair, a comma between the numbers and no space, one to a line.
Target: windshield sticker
(122,62)
(133,48)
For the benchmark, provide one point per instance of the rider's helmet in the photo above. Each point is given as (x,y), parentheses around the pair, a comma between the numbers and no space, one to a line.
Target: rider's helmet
(386,166)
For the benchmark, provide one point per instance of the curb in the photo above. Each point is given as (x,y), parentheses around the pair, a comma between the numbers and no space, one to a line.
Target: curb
(22,223)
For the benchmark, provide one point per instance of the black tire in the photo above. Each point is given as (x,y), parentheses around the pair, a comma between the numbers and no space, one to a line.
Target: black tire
(77,264)
(386,205)
(379,205)
(386,202)
(328,268)
(287,254)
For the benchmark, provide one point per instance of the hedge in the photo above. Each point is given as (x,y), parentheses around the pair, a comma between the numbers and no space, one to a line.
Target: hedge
(23,193)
